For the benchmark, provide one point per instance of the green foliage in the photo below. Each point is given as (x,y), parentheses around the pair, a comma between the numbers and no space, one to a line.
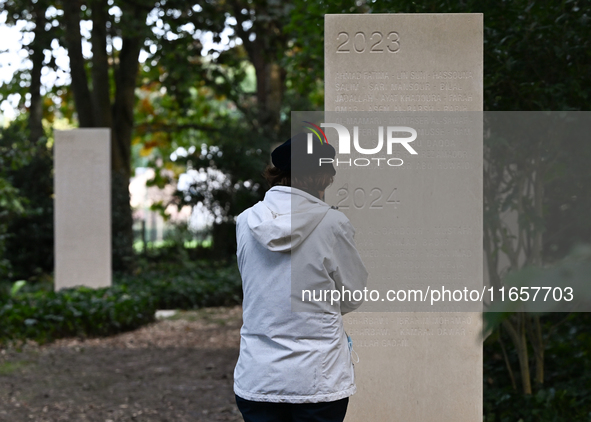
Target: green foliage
(566,395)
(211,139)
(37,312)
(215,109)
(121,239)
(17,286)
(10,205)
(304,61)
(180,245)
(43,316)
(574,271)
(16,152)
(33,12)
(188,285)
(29,230)
(218,117)
(551,405)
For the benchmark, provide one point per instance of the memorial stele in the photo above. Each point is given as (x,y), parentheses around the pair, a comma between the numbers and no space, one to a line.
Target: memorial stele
(82,208)
(413,366)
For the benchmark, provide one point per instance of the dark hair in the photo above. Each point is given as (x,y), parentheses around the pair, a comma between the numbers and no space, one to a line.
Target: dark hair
(311,183)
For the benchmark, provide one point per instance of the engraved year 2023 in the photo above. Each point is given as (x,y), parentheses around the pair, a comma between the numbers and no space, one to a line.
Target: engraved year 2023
(361,42)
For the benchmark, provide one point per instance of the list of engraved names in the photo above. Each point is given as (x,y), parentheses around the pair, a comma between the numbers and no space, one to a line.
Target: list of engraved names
(408,90)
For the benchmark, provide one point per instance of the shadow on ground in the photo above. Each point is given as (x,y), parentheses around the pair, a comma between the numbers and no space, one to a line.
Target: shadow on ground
(178,369)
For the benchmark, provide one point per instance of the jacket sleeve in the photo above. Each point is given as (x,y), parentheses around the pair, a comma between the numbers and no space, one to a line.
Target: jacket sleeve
(348,270)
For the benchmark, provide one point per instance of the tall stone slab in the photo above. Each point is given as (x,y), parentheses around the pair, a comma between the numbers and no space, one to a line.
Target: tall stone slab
(414,366)
(82,208)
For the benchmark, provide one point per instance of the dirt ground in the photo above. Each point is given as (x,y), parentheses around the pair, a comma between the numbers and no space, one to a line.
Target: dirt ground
(178,369)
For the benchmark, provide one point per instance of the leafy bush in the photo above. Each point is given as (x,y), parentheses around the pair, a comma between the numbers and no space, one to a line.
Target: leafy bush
(26,203)
(35,311)
(188,285)
(43,316)
(566,393)
(547,405)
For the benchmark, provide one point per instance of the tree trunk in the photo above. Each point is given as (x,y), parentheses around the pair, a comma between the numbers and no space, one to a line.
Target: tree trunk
(263,53)
(539,354)
(94,108)
(270,89)
(506,359)
(133,22)
(534,327)
(516,330)
(534,331)
(39,43)
(101,86)
(82,97)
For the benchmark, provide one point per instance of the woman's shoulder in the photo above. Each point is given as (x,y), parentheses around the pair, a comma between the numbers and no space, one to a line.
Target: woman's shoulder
(337,220)
(336,214)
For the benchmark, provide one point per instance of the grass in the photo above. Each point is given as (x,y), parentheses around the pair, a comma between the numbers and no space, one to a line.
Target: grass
(7,368)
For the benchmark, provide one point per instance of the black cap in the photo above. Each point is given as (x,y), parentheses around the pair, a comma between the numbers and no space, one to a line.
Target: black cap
(296,149)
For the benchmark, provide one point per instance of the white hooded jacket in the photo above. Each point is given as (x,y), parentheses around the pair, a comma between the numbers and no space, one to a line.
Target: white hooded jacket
(285,356)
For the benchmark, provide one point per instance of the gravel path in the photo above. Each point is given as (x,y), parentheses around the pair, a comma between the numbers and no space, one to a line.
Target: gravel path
(178,369)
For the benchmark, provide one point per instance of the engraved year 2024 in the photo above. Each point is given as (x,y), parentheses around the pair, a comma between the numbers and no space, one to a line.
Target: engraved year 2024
(361,198)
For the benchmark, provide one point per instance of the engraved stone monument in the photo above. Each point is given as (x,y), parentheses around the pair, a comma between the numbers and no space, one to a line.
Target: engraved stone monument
(422,221)
(82,208)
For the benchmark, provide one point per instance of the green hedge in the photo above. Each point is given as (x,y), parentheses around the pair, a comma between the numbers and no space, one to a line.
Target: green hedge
(189,286)
(40,314)
(566,393)
(44,316)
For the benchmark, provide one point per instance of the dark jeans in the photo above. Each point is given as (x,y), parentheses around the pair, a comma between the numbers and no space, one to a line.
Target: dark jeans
(254,411)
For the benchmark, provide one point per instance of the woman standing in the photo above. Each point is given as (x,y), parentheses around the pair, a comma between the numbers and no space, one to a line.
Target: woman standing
(294,365)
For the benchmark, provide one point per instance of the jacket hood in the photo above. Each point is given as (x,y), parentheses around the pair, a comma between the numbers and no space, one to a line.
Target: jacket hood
(285,218)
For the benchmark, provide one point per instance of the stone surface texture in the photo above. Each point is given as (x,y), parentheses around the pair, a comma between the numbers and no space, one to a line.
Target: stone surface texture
(413,366)
(82,208)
